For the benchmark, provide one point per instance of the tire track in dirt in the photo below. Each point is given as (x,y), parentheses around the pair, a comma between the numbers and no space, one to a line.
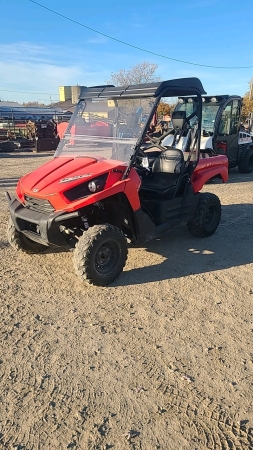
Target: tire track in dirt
(45,400)
(36,396)
(39,406)
(203,420)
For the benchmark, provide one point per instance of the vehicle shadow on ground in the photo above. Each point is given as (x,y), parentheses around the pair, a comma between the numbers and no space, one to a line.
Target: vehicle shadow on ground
(236,177)
(230,246)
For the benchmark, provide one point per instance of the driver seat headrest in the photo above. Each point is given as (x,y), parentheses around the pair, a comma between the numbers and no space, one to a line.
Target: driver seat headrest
(169,161)
(178,119)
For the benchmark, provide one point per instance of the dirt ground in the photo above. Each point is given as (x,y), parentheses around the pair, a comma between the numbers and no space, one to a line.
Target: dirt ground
(162,359)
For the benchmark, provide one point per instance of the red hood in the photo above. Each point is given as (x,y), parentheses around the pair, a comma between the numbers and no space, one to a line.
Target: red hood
(62,173)
(46,179)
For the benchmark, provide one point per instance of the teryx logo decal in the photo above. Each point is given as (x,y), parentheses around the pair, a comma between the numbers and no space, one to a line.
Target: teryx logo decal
(77,177)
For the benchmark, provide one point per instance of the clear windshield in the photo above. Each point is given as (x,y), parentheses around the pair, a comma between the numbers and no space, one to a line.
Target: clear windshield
(105,128)
(209,111)
(188,106)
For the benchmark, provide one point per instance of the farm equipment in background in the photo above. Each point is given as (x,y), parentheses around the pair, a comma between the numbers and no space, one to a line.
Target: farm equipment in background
(13,135)
(39,135)
(45,135)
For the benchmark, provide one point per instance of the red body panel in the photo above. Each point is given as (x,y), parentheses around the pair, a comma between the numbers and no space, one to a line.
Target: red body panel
(50,181)
(208,168)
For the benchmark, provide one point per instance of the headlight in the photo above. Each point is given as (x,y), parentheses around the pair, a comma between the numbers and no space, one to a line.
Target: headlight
(93,186)
(84,189)
(97,185)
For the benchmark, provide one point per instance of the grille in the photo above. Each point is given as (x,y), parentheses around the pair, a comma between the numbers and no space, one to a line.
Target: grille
(39,205)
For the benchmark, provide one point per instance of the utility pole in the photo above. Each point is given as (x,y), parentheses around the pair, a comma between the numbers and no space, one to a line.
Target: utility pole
(251,89)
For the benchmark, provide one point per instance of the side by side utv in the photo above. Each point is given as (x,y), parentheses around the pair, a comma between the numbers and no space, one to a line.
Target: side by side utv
(221,128)
(101,192)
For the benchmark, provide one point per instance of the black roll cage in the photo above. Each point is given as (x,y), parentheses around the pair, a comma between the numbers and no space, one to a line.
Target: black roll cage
(170,88)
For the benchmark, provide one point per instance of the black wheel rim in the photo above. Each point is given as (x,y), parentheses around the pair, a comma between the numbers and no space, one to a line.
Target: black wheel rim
(107,256)
(210,217)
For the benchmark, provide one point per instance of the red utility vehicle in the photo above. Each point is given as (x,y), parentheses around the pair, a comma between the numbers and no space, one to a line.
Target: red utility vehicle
(101,191)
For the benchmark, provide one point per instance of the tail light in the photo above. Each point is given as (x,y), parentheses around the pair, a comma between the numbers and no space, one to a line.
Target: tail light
(221,147)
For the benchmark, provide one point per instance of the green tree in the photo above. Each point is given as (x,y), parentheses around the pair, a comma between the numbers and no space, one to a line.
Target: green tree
(140,73)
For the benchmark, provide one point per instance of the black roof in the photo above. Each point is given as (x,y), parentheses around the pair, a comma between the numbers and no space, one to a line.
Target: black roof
(170,88)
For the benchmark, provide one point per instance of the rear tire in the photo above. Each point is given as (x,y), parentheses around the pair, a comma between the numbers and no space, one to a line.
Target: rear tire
(100,254)
(207,216)
(245,164)
(7,147)
(19,241)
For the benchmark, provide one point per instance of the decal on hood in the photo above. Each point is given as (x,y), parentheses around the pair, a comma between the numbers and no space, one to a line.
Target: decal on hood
(77,177)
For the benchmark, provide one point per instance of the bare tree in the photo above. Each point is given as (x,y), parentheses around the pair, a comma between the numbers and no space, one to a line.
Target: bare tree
(33,103)
(140,73)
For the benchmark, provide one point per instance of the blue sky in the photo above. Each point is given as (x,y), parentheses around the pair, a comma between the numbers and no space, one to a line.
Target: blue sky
(40,51)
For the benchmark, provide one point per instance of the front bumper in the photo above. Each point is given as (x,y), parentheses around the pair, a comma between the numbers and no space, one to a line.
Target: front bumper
(40,227)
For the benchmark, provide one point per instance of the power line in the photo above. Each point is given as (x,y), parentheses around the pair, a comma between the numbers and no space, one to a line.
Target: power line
(29,92)
(135,46)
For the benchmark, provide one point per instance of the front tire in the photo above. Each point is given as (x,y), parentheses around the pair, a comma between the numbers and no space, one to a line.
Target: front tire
(207,216)
(100,254)
(245,164)
(19,241)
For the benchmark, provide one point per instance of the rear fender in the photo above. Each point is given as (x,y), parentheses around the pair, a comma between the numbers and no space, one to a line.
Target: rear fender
(207,168)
